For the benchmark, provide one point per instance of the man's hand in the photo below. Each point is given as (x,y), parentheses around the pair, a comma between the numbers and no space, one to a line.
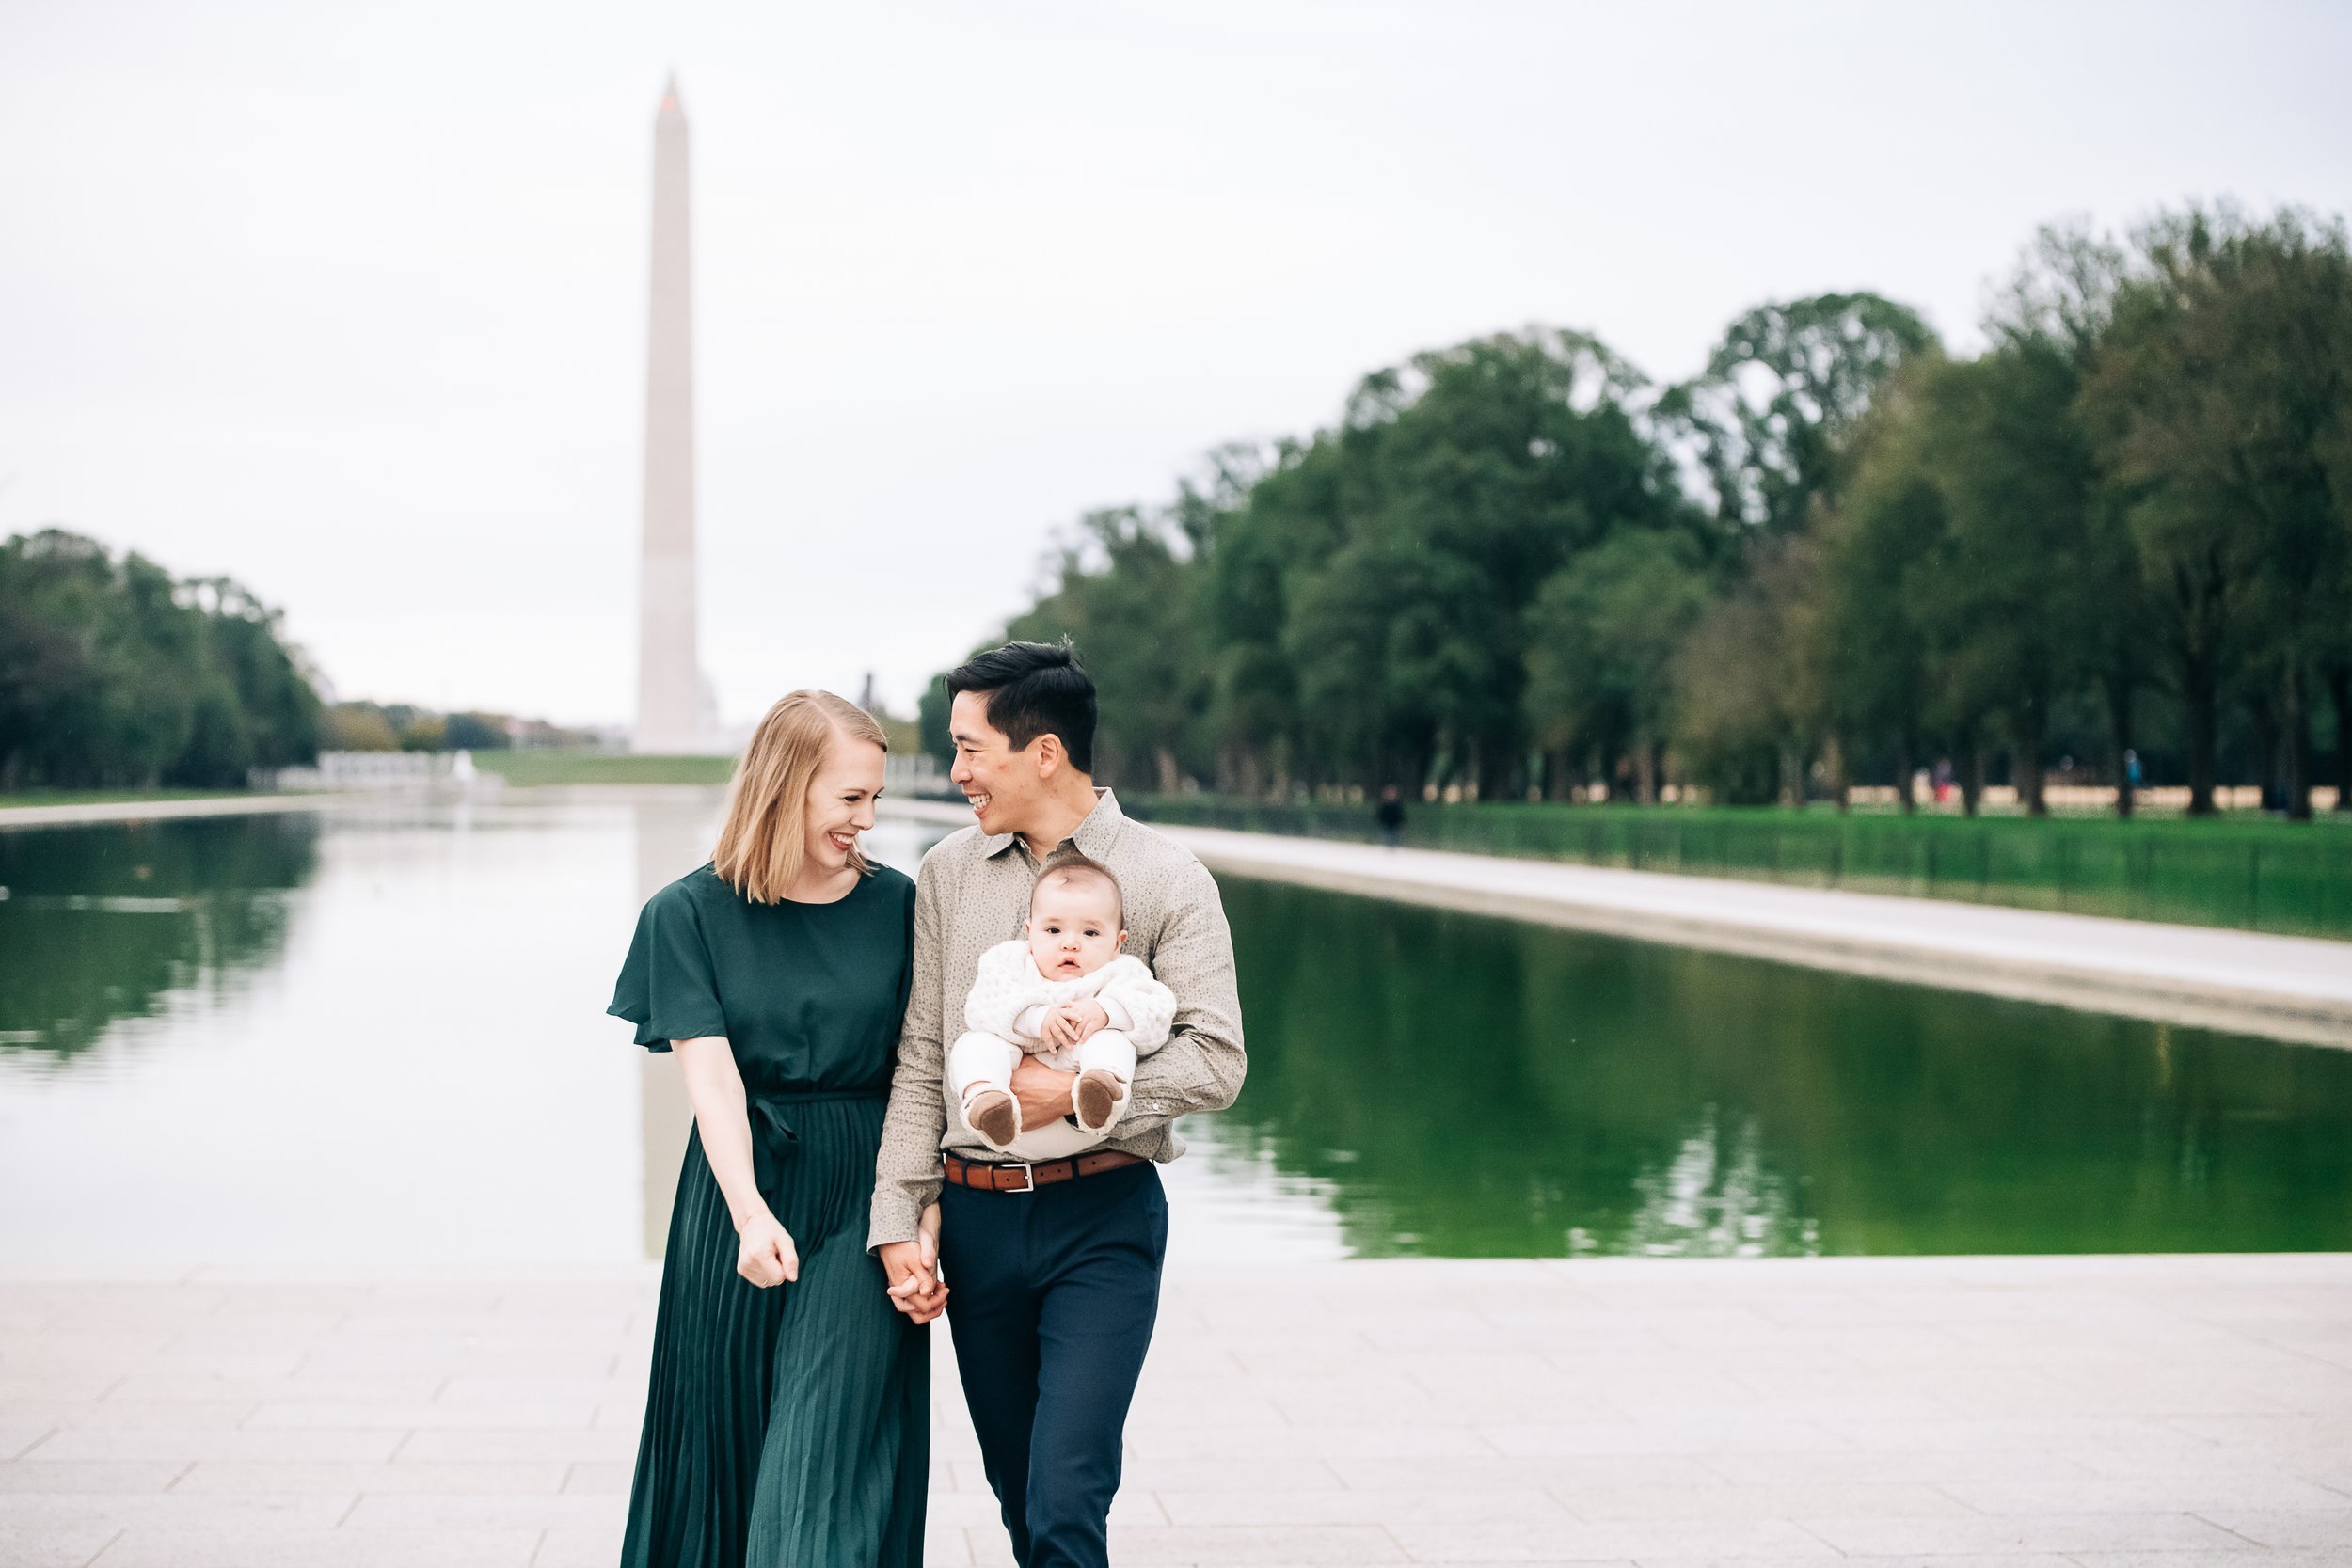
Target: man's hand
(764,1251)
(912,1268)
(1042,1091)
(1072,1021)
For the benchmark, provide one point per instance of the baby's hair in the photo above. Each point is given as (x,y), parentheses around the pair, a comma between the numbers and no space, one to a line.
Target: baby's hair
(1075,867)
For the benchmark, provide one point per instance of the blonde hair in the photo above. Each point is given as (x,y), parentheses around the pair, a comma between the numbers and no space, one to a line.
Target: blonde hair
(766,835)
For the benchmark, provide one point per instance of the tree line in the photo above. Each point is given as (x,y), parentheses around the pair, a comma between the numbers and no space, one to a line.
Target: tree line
(2121,533)
(368,726)
(114,674)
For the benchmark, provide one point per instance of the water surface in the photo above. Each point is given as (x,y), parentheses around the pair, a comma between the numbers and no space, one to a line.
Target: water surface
(376,1036)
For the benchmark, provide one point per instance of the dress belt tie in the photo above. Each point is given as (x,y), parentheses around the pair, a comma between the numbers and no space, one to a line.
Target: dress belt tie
(775,1142)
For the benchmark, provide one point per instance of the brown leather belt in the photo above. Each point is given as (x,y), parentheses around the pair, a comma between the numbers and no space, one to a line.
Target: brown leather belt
(981,1176)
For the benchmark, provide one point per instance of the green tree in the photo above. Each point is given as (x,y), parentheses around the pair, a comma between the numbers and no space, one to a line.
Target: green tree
(1602,637)
(1750,705)
(2054,311)
(112,674)
(2011,596)
(1367,598)
(1888,523)
(1780,395)
(356,727)
(1122,592)
(476,732)
(2220,394)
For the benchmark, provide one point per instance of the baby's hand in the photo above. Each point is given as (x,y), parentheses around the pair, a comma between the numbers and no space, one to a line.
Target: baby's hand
(1074,1021)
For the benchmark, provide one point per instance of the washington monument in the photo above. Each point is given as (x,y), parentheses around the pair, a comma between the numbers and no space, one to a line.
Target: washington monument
(674,706)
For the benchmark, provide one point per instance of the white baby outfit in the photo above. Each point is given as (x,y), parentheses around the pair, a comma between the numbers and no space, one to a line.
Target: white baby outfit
(1006,1010)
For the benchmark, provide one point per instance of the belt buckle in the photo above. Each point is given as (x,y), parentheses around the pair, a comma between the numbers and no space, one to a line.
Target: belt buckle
(1029,1178)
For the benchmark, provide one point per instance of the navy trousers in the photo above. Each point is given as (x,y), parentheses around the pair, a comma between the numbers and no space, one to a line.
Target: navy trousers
(1052,1299)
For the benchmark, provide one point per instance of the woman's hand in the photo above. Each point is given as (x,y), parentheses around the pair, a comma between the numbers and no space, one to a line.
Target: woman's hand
(765,1254)
(913,1269)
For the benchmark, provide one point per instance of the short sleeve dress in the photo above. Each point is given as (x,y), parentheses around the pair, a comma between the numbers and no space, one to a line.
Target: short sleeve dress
(789,1424)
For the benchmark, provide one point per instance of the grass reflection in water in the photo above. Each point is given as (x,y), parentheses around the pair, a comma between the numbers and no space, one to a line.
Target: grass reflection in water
(101,922)
(1466,1086)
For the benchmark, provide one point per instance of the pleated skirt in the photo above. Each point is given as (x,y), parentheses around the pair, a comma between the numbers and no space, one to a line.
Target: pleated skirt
(790,1427)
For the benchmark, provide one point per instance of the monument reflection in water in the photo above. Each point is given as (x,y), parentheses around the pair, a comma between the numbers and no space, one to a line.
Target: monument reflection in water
(375,1037)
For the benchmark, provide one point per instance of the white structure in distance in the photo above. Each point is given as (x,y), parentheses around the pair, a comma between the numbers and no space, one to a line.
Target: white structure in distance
(676,710)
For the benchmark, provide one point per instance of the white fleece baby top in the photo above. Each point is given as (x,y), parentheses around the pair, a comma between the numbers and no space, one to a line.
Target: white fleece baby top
(1010,998)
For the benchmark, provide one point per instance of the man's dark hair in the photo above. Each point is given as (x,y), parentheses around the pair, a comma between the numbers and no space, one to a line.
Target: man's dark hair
(1034,689)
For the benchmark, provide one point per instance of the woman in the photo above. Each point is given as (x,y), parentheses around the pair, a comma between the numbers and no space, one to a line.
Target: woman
(788,1416)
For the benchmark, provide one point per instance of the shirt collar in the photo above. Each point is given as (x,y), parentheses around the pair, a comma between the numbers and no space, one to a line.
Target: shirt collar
(1093,837)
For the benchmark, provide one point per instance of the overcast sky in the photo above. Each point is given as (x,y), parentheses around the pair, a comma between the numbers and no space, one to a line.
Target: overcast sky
(348,301)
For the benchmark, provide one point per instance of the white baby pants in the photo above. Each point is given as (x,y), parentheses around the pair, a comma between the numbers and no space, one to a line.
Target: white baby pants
(979,1057)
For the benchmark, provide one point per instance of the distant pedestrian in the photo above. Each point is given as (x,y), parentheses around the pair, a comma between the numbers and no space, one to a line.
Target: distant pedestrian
(1390,815)
(2131,771)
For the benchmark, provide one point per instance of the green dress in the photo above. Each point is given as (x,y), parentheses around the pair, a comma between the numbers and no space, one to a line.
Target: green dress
(790,1425)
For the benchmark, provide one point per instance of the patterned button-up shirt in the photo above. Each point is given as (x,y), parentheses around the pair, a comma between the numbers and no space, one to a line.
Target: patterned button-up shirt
(973,893)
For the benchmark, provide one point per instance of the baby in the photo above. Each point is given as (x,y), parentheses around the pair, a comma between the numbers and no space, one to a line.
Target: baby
(1065,994)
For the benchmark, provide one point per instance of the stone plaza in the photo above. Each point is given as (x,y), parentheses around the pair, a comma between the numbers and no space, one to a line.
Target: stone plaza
(1997,1413)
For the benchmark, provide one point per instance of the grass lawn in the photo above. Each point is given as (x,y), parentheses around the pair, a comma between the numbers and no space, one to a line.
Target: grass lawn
(2250,872)
(530,769)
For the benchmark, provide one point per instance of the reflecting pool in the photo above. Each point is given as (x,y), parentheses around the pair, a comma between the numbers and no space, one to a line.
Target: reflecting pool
(376,1035)
(1469,1086)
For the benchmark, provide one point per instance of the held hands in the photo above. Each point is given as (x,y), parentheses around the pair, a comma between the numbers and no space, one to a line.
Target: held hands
(1072,1021)
(912,1268)
(765,1254)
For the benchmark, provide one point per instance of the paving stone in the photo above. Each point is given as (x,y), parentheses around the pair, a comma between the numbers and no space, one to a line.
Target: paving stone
(1541,1473)
(2299,1530)
(1993,1413)
(45,1476)
(600,1477)
(1229,1475)
(1974,1559)
(1249,1546)
(2044,1532)
(1511,1540)
(52,1548)
(18,1437)
(489,1443)
(2245,1556)
(174,1415)
(319,1548)
(227,1475)
(169,1510)
(1316,1506)
(575,1547)
(2221,1488)
(1888,1466)
(1725,1502)
(488,1511)
(350,1445)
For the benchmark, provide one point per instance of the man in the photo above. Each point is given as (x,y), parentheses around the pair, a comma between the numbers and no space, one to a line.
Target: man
(1055,1267)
